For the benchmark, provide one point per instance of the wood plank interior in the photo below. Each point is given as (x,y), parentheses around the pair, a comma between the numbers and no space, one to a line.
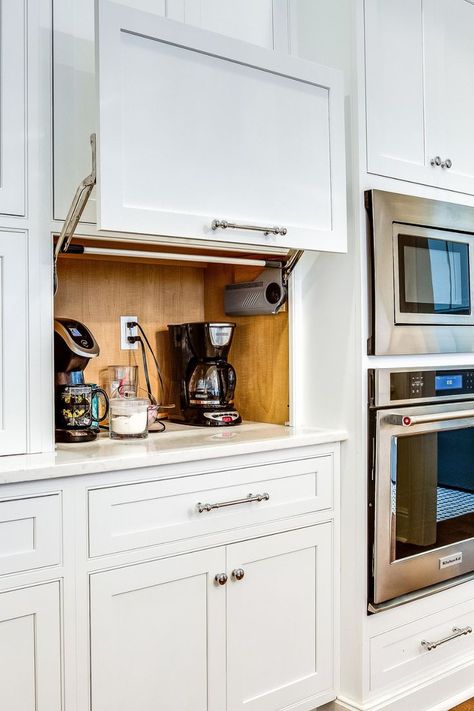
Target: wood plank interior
(260,351)
(98,291)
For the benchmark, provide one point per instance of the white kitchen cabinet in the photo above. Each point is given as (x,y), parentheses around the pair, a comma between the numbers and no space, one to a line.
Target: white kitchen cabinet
(13,344)
(30,649)
(420,97)
(269,633)
(197,127)
(264,23)
(158,635)
(280,620)
(12,106)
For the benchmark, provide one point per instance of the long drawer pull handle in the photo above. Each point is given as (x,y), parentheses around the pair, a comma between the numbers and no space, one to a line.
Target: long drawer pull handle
(222,504)
(457,632)
(410,420)
(224,225)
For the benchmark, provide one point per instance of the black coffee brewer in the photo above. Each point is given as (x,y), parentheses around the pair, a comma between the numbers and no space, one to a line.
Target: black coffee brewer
(74,346)
(203,382)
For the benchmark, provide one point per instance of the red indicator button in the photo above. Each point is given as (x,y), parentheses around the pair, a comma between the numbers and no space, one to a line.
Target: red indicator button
(227,419)
(406,421)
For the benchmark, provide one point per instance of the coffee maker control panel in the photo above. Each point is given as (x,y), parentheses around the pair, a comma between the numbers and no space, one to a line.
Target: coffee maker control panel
(77,337)
(225,417)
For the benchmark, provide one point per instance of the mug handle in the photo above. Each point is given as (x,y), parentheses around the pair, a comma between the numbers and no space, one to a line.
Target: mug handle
(98,392)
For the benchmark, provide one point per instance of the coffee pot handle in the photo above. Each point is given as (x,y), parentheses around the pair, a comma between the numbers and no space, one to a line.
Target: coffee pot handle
(98,392)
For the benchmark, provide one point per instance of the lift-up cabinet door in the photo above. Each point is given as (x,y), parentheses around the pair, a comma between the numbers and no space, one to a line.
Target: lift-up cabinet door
(194,126)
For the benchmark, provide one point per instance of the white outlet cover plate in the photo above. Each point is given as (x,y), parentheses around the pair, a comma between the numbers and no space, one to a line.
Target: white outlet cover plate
(126,332)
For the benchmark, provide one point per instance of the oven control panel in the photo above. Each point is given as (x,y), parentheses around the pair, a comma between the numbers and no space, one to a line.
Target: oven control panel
(427,384)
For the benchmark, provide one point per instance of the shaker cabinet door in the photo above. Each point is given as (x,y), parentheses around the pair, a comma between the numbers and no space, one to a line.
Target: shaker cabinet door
(30,649)
(158,635)
(13,343)
(196,126)
(12,106)
(395,89)
(449,68)
(419,91)
(264,23)
(280,632)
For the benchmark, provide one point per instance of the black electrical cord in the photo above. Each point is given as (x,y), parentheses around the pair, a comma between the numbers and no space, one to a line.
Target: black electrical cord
(158,370)
(145,369)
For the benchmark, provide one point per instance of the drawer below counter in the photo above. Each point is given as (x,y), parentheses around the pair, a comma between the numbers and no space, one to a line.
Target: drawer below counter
(148,513)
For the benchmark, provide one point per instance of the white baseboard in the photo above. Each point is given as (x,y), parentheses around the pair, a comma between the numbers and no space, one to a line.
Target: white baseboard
(441,693)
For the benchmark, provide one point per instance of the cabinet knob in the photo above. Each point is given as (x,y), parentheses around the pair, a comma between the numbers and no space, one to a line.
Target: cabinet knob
(220,579)
(447,163)
(436,160)
(238,573)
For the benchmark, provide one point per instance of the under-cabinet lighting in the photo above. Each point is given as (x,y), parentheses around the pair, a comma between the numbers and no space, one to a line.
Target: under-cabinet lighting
(172,256)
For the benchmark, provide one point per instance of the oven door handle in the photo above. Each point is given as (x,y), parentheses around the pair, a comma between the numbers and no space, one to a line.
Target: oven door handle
(411,420)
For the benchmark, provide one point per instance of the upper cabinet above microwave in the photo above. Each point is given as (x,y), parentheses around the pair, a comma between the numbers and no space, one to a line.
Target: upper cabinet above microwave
(420,94)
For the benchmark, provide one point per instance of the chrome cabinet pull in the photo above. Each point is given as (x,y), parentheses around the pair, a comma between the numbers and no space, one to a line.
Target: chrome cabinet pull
(220,579)
(222,504)
(225,225)
(238,574)
(457,632)
(437,161)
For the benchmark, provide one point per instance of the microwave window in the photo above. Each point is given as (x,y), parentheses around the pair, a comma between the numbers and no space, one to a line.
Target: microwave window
(432,491)
(433,276)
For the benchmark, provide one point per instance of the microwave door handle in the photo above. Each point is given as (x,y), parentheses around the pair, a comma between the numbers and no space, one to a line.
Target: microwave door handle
(411,420)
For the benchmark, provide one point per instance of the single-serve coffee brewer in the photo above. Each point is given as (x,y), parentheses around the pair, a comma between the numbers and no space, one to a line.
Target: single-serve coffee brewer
(75,400)
(203,382)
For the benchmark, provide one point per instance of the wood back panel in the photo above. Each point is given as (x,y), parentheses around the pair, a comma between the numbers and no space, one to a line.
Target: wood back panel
(98,291)
(260,349)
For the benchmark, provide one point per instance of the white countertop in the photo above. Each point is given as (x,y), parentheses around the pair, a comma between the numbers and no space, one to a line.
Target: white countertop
(179,443)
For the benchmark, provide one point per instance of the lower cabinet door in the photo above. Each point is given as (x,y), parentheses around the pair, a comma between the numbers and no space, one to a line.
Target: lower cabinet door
(30,649)
(280,620)
(158,635)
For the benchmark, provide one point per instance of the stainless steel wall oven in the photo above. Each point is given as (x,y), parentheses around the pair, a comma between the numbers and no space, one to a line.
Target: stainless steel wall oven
(421,481)
(421,267)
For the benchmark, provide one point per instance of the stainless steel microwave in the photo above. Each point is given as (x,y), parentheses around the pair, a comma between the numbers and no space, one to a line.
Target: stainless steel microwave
(421,275)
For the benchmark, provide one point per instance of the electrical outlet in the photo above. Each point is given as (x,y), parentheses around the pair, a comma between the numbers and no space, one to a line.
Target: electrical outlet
(125,332)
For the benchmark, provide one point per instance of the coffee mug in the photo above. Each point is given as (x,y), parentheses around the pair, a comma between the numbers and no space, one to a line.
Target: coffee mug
(74,406)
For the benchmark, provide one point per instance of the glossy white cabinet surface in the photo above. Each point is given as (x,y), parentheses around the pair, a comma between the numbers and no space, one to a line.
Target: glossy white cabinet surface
(264,23)
(280,619)
(196,126)
(157,635)
(30,649)
(13,327)
(12,106)
(420,97)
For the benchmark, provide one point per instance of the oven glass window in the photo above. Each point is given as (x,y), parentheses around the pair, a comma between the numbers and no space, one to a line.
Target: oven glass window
(433,276)
(432,490)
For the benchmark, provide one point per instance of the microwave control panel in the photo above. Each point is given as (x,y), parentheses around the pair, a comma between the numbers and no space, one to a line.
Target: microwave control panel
(428,384)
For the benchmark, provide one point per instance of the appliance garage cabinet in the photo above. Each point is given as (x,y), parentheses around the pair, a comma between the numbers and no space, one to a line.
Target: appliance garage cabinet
(419,67)
(250,149)
(168,602)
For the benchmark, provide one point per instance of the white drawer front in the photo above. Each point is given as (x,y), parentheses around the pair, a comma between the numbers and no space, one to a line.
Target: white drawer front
(30,533)
(137,515)
(398,654)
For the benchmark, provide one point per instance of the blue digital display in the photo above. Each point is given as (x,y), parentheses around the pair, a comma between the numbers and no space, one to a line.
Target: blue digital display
(448,382)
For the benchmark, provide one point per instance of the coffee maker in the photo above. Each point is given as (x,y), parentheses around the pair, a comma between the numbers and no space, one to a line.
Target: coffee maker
(74,346)
(203,382)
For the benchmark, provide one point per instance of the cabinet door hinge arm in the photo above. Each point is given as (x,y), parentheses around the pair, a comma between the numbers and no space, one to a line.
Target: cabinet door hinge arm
(75,211)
